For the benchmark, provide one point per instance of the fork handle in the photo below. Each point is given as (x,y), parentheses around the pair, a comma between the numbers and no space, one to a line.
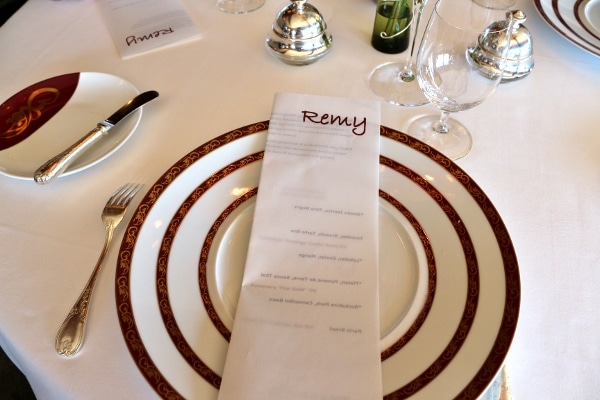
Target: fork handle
(70,334)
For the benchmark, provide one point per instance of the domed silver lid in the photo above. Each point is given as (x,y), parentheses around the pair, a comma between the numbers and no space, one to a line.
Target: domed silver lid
(299,34)
(490,46)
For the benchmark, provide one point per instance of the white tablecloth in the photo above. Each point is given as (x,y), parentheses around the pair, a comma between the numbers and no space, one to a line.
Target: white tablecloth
(536,154)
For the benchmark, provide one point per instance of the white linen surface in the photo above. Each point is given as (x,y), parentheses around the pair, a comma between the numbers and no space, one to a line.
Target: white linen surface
(536,154)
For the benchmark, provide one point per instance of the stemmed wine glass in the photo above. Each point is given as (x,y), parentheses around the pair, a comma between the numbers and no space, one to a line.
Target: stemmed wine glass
(395,81)
(453,71)
(239,6)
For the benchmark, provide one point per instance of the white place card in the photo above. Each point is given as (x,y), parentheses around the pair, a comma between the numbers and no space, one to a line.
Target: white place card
(141,26)
(307,322)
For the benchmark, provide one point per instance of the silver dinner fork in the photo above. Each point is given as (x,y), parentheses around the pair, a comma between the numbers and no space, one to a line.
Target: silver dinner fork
(70,334)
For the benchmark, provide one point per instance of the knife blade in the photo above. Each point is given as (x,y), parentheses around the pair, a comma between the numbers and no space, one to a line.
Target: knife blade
(52,168)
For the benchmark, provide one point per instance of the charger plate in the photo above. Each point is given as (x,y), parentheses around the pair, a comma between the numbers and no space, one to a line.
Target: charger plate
(449,278)
(576,20)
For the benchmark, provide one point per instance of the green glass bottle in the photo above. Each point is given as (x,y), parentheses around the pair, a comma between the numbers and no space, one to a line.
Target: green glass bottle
(391,33)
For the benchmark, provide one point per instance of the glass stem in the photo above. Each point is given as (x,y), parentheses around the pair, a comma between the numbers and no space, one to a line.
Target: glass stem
(442,125)
(407,74)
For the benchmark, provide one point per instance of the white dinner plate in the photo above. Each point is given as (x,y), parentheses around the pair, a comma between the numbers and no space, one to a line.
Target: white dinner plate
(449,279)
(45,118)
(576,20)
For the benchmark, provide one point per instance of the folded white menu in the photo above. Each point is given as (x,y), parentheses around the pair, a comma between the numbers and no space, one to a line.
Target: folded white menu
(307,321)
(140,26)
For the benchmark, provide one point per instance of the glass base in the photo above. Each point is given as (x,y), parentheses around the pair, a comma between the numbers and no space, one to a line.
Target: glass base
(454,144)
(386,83)
(239,6)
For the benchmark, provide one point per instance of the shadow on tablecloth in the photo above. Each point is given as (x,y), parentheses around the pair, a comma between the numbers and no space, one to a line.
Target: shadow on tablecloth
(13,384)
(8,8)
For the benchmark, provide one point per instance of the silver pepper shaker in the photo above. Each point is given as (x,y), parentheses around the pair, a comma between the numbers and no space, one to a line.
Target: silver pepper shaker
(299,34)
(519,62)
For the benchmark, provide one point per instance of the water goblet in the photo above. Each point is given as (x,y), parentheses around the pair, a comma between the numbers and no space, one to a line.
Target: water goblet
(239,6)
(451,76)
(395,82)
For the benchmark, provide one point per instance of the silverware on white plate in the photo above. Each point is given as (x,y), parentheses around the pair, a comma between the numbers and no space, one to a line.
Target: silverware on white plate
(70,335)
(52,168)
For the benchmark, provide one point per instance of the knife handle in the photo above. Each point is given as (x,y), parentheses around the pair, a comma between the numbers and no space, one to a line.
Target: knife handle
(57,164)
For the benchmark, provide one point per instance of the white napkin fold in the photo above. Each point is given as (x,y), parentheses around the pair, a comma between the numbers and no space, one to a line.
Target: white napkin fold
(307,322)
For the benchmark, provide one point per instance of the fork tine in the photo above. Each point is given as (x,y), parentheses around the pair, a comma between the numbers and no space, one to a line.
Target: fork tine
(123,196)
(131,194)
(118,193)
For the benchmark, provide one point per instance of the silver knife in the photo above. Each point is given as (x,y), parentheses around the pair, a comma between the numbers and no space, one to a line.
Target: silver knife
(57,164)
